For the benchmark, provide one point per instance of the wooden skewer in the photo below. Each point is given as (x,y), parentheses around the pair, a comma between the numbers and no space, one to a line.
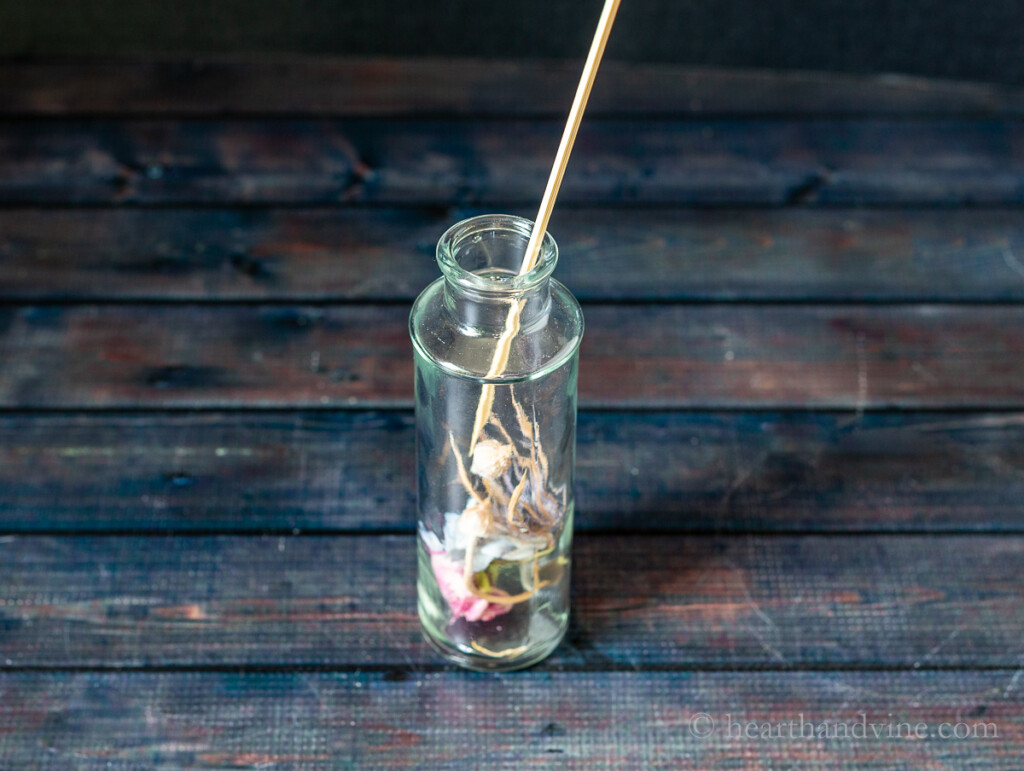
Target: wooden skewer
(572,125)
(547,204)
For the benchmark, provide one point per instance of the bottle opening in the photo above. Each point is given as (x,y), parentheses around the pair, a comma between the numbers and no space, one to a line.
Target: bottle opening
(486,252)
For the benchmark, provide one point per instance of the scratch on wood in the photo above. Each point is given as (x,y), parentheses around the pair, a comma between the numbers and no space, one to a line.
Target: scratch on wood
(923,372)
(311,686)
(741,479)
(1012,685)
(742,476)
(759,612)
(939,646)
(969,424)
(67,640)
(862,376)
(1011,261)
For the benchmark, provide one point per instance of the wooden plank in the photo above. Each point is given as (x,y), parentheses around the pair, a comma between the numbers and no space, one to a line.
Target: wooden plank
(767,162)
(323,471)
(942,39)
(639,601)
(312,255)
(328,86)
(765,356)
(555,720)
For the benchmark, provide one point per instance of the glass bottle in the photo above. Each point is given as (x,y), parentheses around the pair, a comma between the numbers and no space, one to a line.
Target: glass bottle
(495,452)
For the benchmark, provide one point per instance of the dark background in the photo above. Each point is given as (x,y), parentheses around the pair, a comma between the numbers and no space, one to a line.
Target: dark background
(940,38)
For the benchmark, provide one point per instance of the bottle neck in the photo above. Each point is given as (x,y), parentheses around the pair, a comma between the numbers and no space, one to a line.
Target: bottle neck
(481,313)
(481,258)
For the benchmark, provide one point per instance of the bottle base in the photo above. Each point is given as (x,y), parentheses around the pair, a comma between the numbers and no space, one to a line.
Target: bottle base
(480,662)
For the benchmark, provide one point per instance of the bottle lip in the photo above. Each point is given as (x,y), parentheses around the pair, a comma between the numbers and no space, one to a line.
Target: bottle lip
(460,233)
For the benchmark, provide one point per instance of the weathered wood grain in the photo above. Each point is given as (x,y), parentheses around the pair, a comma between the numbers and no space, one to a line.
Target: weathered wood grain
(671,254)
(323,471)
(465,135)
(555,720)
(325,86)
(639,601)
(769,162)
(646,356)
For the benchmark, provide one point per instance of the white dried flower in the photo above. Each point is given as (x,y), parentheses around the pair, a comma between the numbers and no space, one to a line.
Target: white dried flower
(491,459)
(474,522)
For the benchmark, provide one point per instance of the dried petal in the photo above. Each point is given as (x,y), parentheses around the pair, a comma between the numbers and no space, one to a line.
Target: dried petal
(491,459)
(463,604)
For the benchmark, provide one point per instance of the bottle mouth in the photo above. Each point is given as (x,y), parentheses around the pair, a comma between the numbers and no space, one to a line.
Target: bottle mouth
(485,253)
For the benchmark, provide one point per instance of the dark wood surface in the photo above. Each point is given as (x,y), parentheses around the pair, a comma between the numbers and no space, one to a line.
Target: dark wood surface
(801,450)
(675,355)
(324,86)
(665,601)
(324,255)
(928,37)
(356,719)
(467,161)
(352,471)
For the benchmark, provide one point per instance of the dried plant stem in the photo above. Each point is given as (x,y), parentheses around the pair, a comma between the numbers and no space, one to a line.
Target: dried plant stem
(546,520)
(469,579)
(508,652)
(498,364)
(463,476)
(496,492)
(537,449)
(513,502)
(525,424)
(493,421)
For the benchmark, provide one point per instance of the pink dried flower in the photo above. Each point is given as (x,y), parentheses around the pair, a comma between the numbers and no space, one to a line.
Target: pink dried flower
(453,588)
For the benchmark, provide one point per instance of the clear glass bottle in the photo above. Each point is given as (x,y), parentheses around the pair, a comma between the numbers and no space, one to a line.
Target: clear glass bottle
(495,455)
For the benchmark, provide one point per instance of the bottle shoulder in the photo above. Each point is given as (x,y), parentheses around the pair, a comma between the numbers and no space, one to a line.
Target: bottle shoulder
(459,348)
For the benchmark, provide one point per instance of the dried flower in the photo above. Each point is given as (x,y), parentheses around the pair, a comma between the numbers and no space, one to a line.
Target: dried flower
(475,521)
(453,588)
(459,532)
(491,459)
